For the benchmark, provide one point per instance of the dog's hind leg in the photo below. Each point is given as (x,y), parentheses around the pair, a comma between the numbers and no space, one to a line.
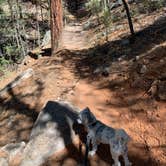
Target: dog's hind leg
(126,160)
(115,157)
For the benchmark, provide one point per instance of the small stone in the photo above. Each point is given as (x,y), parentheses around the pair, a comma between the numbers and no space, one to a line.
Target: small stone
(72,92)
(120,59)
(125,42)
(161,61)
(122,89)
(137,58)
(143,69)
(25,63)
(97,70)
(106,71)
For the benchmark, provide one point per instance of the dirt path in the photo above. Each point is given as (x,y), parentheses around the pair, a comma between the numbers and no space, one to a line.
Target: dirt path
(113,103)
(73,37)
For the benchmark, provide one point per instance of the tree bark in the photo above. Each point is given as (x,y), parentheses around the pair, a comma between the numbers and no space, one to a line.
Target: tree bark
(129,17)
(56,23)
(11,10)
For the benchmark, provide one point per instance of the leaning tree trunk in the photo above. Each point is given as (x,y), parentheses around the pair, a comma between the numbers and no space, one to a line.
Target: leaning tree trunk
(56,23)
(129,17)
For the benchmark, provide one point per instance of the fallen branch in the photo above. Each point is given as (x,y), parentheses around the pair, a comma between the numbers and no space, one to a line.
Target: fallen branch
(26,74)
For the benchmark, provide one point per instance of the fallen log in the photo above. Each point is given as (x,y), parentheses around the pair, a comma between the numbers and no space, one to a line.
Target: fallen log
(25,75)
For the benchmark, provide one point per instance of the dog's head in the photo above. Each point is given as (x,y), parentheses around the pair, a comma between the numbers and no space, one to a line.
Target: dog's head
(86,117)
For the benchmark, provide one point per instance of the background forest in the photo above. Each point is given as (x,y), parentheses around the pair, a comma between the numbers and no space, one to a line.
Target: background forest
(24,23)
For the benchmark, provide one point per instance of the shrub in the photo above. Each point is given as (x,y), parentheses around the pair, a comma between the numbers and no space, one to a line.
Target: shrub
(13,53)
(106,20)
(152,5)
(3,62)
(95,7)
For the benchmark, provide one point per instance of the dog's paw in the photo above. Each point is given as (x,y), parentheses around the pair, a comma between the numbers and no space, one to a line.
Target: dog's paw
(91,153)
(79,121)
(116,164)
(129,164)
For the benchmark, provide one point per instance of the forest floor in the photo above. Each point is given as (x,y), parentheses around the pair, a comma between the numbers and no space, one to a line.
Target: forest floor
(117,99)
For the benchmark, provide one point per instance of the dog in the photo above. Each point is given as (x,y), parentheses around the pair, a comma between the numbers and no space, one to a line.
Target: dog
(100,133)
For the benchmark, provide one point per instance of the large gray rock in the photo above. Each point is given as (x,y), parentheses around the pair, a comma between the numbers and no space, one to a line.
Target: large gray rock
(52,132)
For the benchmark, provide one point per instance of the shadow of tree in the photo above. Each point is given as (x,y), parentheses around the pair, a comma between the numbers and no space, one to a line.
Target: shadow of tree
(17,115)
(87,60)
(16,103)
(74,6)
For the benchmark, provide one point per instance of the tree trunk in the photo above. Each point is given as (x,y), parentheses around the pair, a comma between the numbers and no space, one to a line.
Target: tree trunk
(56,23)
(129,17)
(11,10)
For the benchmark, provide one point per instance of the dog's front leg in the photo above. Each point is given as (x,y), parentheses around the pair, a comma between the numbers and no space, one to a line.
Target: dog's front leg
(91,139)
(126,160)
(88,139)
(94,147)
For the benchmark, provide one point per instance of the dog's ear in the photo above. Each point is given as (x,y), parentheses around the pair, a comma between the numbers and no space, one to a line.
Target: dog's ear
(91,118)
(86,109)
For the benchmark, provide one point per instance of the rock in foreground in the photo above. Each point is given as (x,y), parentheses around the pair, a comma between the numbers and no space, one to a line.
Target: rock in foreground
(52,132)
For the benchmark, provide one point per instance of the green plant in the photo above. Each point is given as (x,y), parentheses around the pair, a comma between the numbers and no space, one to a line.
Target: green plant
(106,20)
(13,53)
(134,12)
(3,62)
(152,5)
(95,7)
(2,1)
(101,10)
(115,18)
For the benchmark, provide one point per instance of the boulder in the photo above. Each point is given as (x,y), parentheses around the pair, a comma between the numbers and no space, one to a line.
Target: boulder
(52,132)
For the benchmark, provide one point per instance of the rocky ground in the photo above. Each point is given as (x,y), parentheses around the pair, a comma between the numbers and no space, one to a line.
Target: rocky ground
(117,89)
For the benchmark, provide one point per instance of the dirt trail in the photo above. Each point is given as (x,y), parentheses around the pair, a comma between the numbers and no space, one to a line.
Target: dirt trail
(73,37)
(56,78)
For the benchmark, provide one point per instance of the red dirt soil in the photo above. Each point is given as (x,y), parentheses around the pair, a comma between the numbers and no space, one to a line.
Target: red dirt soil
(111,99)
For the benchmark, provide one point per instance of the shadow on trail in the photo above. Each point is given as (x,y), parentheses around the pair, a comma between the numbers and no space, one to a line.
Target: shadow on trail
(86,61)
(17,114)
(15,102)
(74,6)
